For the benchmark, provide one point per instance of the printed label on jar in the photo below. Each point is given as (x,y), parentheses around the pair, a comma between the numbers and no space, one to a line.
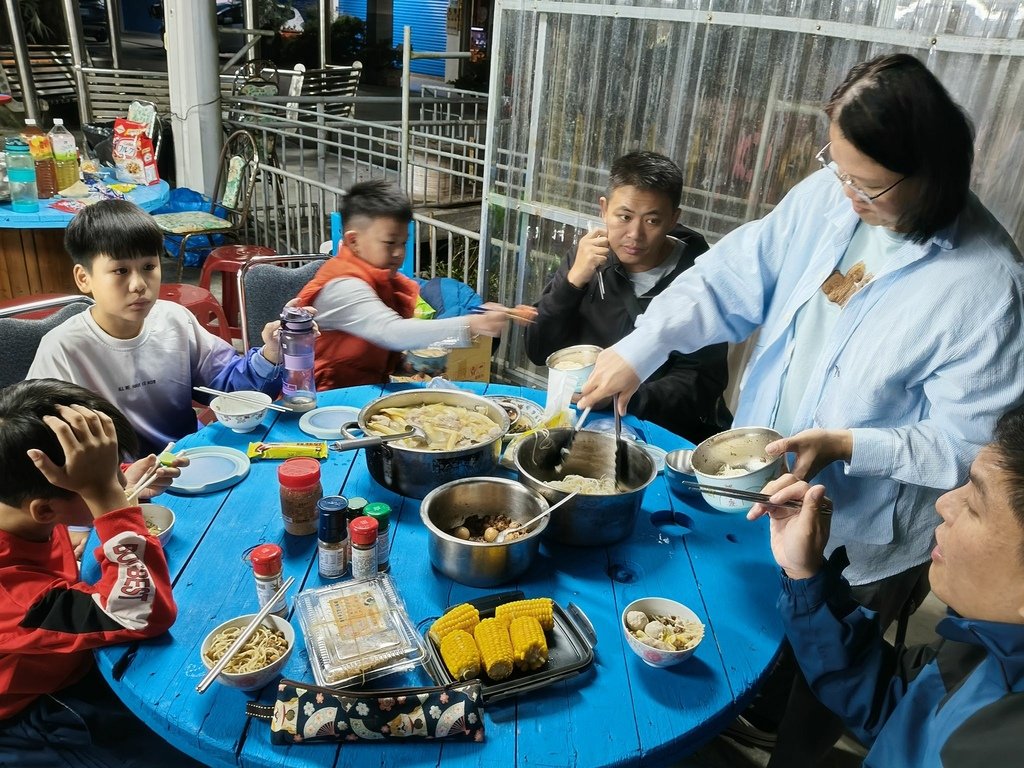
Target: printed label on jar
(298,362)
(265,592)
(364,562)
(333,562)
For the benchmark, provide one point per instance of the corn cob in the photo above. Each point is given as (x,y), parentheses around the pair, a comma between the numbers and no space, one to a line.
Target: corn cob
(463,616)
(460,654)
(538,607)
(529,648)
(495,648)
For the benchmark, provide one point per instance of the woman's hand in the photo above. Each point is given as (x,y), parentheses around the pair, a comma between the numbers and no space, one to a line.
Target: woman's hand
(815,449)
(798,537)
(612,375)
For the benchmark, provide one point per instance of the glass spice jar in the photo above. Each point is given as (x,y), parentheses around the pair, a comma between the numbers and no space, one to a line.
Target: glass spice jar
(300,491)
(268,572)
(362,533)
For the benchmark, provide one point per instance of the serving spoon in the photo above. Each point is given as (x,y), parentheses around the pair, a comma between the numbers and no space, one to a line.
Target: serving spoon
(531,521)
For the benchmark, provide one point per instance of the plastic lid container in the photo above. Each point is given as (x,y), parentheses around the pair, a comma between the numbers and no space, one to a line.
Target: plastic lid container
(299,473)
(363,530)
(356,507)
(16,145)
(357,631)
(266,559)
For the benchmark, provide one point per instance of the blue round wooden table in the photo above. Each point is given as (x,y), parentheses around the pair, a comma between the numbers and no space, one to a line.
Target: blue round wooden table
(619,712)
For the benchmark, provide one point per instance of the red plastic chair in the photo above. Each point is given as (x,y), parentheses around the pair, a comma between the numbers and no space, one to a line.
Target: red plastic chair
(201,303)
(228,259)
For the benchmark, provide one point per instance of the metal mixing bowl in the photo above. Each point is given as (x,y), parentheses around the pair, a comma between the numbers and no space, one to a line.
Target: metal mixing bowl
(478,563)
(585,520)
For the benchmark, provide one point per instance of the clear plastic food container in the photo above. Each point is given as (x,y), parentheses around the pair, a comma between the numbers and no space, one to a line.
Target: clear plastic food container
(358,631)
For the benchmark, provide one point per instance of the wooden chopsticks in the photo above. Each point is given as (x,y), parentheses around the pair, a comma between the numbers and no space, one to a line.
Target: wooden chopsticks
(242,399)
(482,310)
(760,498)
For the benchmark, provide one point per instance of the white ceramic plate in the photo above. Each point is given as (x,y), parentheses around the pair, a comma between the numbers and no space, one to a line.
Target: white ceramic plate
(530,413)
(211,468)
(325,423)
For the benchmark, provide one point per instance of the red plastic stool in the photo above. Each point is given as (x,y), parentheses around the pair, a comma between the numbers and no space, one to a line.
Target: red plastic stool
(201,303)
(228,259)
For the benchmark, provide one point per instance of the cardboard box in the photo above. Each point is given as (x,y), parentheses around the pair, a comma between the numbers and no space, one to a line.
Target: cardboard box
(471,363)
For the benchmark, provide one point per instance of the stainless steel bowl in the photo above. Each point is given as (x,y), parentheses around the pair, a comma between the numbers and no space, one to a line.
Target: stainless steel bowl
(478,563)
(415,471)
(584,357)
(589,521)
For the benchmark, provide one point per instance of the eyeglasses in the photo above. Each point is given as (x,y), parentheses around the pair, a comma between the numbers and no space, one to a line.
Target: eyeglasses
(844,178)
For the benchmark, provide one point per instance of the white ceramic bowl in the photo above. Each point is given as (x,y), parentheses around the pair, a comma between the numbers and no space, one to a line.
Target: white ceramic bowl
(238,416)
(660,606)
(577,362)
(162,518)
(742,449)
(248,681)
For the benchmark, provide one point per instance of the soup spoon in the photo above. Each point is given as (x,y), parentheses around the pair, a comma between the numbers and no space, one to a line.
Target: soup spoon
(528,523)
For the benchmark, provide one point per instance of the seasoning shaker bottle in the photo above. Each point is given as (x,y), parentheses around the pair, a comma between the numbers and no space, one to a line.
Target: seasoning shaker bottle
(362,532)
(356,507)
(21,175)
(381,512)
(298,391)
(300,491)
(332,539)
(267,570)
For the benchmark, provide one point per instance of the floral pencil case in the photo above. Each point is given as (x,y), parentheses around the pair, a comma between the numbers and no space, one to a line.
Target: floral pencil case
(305,712)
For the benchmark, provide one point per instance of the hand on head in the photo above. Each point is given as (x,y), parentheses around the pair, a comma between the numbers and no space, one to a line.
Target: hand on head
(798,537)
(612,375)
(815,449)
(591,255)
(91,457)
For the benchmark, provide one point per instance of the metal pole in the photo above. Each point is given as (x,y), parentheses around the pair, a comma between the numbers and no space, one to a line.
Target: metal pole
(326,19)
(28,88)
(406,59)
(73,18)
(114,30)
(249,21)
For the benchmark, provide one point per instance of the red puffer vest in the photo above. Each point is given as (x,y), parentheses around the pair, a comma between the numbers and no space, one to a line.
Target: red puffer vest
(344,360)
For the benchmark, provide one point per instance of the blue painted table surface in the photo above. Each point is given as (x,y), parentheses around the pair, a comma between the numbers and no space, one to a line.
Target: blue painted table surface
(619,712)
(149,198)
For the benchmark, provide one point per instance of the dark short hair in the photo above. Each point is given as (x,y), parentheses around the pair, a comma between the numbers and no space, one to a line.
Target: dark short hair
(22,407)
(896,112)
(1008,444)
(648,171)
(375,199)
(115,228)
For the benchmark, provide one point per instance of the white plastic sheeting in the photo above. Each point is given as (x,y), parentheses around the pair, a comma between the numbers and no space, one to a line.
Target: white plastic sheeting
(731,90)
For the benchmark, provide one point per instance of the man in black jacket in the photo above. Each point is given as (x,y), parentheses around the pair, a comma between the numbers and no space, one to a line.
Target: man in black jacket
(597,294)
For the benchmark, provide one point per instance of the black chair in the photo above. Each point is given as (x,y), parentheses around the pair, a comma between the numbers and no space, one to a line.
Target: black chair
(266,284)
(22,335)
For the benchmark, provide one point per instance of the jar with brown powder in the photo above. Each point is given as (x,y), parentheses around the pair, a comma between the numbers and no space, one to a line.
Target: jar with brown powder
(300,491)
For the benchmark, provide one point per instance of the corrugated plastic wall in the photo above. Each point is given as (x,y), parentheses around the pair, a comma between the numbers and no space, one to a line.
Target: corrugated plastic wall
(427,19)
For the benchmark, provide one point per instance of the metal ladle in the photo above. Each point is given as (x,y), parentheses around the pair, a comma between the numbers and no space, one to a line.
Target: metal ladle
(528,523)
(354,443)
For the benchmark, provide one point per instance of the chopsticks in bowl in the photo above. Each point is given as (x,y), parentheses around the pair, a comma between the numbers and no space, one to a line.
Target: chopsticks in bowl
(242,399)
(759,498)
(243,637)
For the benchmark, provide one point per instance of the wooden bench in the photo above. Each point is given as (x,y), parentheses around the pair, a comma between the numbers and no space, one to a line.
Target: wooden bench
(331,83)
(111,91)
(52,75)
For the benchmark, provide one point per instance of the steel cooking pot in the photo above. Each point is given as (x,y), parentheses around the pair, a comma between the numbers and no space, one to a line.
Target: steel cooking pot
(416,471)
(585,520)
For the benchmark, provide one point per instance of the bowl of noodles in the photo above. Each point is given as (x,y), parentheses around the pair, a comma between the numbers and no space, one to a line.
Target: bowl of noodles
(602,513)
(159,521)
(259,661)
(576,363)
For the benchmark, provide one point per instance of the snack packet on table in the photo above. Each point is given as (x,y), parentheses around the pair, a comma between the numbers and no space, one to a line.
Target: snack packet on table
(133,153)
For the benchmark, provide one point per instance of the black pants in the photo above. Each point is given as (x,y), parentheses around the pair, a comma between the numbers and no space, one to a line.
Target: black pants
(808,729)
(83,726)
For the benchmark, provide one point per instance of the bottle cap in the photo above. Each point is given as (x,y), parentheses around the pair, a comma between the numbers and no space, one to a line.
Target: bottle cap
(363,530)
(356,507)
(266,559)
(58,121)
(30,121)
(299,473)
(379,511)
(332,518)
(296,319)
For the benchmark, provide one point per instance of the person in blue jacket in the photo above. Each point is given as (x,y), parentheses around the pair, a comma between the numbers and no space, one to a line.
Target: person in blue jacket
(959,701)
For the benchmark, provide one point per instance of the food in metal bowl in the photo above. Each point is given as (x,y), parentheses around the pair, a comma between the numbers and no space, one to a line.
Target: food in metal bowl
(447,427)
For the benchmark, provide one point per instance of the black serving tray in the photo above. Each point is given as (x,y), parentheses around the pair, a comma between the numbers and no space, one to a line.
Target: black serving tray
(570,651)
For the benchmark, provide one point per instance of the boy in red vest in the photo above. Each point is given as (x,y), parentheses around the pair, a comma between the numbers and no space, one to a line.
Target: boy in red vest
(365,307)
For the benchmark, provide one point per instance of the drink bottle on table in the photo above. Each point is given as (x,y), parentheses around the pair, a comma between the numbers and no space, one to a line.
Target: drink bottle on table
(65,154)
(21,175)
(298,337)
(42,155)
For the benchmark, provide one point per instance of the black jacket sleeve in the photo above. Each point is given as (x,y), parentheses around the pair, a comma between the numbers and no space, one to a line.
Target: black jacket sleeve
(558,317)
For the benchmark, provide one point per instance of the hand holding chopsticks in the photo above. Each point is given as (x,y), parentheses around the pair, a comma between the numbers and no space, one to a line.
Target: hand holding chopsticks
(242,399)
(519,314)
(243,637)
(824,508)
(150,477)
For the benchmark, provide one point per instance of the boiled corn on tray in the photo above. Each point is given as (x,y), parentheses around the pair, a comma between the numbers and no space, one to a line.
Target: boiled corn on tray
(533,643)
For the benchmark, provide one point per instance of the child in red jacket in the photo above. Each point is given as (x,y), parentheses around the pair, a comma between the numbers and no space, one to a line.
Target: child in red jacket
(59,452)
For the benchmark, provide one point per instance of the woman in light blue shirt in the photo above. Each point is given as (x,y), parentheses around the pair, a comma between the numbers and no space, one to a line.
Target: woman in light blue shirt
(889,305)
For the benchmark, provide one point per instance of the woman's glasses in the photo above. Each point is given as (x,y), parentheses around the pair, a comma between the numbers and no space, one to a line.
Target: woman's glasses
(863,195)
